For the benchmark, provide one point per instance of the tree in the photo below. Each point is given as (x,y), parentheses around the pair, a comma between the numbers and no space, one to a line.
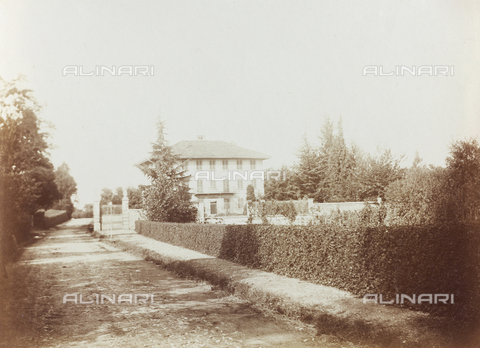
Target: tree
(135,200)
(27,181)
(308,172)
(118,196)
(418,198)
(337,164)
(251,193)
(463,184)
(106,196)
(67,187)
(168,198)
(375,172)
(282,187)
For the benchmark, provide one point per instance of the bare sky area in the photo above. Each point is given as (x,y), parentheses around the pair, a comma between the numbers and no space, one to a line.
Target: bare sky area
(258,73)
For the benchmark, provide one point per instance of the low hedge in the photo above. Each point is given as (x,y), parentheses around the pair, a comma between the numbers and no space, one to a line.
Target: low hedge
(82,214)
(363,260)
(55,217)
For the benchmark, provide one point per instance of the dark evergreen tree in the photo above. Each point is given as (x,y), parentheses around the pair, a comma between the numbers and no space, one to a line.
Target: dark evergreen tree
(168,198)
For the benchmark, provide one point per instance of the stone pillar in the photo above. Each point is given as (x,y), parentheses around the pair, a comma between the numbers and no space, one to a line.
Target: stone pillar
(126,222)
(96,215)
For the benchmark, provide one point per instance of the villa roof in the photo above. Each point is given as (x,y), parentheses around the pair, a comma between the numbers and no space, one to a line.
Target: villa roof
(188,149)
(197,149)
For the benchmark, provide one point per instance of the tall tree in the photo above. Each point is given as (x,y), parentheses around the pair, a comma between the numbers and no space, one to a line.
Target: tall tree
(168,198)
(282,187)
(336,163)
(418,198)
(67,187)
(251,193)
(118,196)
(375,172)
(27,180)
(308,173)
(135,200)
(463,185)
(106,196)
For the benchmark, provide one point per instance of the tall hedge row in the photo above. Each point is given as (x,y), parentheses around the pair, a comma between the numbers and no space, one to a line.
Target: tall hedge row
(383,260)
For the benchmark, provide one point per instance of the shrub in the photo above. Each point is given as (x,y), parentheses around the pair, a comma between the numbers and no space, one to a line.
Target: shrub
(360,259)
(82,214)
(204,238)
(55,217)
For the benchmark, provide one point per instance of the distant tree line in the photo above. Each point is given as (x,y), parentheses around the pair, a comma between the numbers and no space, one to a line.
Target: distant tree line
(334,172)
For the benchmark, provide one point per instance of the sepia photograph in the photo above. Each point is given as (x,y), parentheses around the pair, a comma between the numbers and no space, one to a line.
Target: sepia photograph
(224,173)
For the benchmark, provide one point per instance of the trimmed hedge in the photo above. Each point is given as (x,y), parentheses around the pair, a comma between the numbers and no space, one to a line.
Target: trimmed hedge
(82,214)
(203,238)
(363,260)
(55,217)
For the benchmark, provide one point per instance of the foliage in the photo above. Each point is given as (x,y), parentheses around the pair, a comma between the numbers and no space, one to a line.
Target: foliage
(375,172)
(55,217)
(308,175)
(371,215)
(204,238)
(135,200)
(168,198)
(418,198)
(66,187)
(251,193)
(27,179)
(82,214)
(272,208)
(106,196)
(118,196)
(429,195)
(360,259)
(463,180)
(281,188)
(65,182)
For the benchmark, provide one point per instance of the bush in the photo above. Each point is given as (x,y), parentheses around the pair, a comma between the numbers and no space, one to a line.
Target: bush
(55,217)
(360,259)
(82,214)
(204,238)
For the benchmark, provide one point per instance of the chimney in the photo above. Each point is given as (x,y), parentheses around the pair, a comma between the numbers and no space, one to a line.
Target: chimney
(200,137)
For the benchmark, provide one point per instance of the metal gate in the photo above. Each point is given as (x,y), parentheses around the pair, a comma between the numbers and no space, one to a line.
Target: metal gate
(111,217)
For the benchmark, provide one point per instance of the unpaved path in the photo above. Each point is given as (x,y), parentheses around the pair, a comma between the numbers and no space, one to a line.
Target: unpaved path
(184,313)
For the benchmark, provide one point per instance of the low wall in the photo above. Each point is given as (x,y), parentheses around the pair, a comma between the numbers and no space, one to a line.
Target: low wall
(342,206)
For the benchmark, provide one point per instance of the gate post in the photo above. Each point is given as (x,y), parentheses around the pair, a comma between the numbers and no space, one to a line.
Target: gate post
(96,214)
(126,222)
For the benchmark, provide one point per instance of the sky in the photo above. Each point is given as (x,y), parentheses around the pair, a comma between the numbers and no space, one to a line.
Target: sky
(261,74)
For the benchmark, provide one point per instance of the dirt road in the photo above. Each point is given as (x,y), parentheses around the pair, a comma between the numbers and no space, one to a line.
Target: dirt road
(40,303)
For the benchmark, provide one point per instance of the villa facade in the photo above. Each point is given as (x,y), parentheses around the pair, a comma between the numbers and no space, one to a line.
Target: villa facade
(220,173)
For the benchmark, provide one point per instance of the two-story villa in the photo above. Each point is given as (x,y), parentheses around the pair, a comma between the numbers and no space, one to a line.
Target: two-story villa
(220,173)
